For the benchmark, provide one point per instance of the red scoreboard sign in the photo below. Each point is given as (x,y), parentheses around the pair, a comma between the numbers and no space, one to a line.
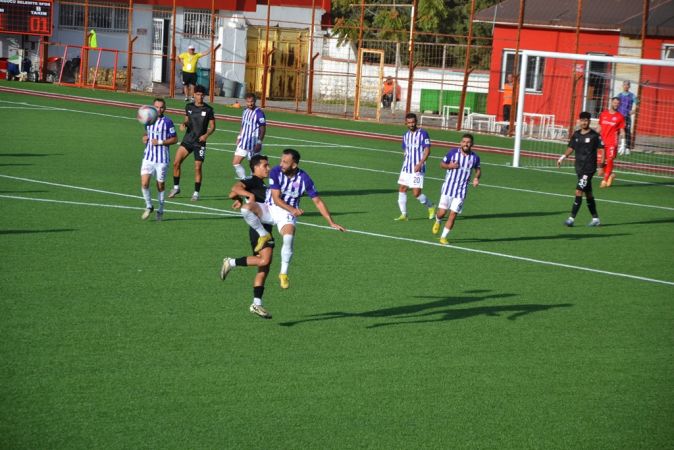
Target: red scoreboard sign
(26,17)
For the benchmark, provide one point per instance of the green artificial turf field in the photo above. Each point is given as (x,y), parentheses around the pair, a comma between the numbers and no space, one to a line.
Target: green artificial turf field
(118,333)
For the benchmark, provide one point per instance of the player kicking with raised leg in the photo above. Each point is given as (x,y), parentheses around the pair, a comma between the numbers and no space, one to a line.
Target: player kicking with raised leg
(253,190)
(287,183)
(459,164)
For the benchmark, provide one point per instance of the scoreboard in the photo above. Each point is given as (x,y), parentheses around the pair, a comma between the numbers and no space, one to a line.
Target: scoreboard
(33,17)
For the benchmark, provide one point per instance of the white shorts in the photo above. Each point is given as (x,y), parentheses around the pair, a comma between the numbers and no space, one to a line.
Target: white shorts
(246,153)
(452,203)
(412,180)
(275,215)
(154,168)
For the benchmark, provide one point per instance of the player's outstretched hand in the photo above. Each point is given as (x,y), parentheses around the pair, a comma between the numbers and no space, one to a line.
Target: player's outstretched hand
(337,226)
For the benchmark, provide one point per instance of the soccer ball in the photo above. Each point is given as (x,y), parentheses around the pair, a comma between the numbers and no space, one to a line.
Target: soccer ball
(147,115)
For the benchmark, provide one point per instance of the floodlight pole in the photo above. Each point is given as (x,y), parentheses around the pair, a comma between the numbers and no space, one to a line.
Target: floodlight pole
(265,66)
(410,76)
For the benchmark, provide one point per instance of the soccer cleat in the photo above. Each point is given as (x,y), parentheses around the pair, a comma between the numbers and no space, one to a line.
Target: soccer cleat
(610,180)
(260,242)
(195,196)
(594,222)
(187,99)
(260,311)
(224,270)
(174,192)
(436,228)
(627,151)
(602,184)
(431,213)
(569,222)
(444,241)
(285,282)
(147,212)
(160,216)
(402,218)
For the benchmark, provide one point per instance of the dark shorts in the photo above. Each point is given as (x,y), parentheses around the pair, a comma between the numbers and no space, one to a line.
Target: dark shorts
(584,182)
(254,235)
(199,150)
(189,78)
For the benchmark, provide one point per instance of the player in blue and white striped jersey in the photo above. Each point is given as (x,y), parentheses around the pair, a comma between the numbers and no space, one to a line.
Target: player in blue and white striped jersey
(157,138)
(287,184)
(249,140)
(416,149)
(459,163)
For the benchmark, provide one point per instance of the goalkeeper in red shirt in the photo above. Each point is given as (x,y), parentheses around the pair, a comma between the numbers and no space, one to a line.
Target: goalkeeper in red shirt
(612,131)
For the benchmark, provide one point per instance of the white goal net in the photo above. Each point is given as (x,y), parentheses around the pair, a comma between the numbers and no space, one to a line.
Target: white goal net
(558,86)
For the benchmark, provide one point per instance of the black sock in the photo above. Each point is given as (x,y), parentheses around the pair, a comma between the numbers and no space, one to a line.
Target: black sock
(241,262)
(197,187)
(258,292)
(576,205)
(176,181)
(592,206)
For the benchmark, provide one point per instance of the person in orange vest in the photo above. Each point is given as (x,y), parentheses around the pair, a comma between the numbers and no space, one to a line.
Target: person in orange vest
(507,100)
(387,92)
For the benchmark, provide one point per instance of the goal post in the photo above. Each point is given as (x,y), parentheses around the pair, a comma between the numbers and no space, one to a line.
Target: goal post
(556,87)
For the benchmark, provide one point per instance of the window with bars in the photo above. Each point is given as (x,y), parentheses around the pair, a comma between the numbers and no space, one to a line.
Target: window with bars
(198,22)
(668,52)
(102,16)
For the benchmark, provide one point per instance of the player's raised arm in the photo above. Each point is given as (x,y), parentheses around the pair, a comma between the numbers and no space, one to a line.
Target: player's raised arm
(278,201)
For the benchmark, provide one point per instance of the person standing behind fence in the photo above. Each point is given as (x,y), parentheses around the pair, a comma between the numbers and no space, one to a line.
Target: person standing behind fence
(628,106)
(507,101)
(249,140)
(190,60)
(93,40)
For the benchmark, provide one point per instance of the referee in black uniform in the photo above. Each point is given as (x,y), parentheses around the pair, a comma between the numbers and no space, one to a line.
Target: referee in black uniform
(585,142)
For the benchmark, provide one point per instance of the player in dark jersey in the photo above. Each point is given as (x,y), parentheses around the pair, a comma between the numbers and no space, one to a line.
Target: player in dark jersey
(253,189)
(200,124)
(585,142)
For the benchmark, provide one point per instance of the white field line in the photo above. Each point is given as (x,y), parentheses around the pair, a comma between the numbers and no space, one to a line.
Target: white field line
(219,212)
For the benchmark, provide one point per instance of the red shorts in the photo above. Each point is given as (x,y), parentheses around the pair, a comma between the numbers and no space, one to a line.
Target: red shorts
(611,153)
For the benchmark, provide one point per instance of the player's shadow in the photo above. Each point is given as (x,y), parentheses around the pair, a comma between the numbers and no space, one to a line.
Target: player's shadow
(351,192)
(22,192)
(332,213)
(639,222)
(55,230)
(512,215)
(440,309)
(568,236)
(28,155)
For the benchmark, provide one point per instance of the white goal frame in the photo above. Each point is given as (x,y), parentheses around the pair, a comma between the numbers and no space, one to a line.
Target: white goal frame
(525,54)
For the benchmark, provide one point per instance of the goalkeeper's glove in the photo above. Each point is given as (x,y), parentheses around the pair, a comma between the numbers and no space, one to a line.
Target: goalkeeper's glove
(621,147)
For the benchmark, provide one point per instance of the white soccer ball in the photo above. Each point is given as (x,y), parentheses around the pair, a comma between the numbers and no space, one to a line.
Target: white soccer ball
(147,115)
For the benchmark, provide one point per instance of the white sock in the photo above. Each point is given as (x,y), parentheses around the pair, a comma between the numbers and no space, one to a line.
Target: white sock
(240,171)
(425,201)
(445,232)
(147,196)
(161,196)
(286,252)
(232,262)
(176,187)
(254,221)
(402,202)
(257,301)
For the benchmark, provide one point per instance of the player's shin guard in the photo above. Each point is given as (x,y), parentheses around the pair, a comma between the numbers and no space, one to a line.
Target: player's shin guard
(592,206)
(286,252)
(576,205)
(258,292)
(240,171)
(402,202)
(161,196)
(147,196)
(254,221)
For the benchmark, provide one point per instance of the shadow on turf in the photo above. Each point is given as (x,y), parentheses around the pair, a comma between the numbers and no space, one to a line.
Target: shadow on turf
(570,236)
(28,155)
(514,215)
(440,306)
(640,222)
(350,192)
(59,230)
